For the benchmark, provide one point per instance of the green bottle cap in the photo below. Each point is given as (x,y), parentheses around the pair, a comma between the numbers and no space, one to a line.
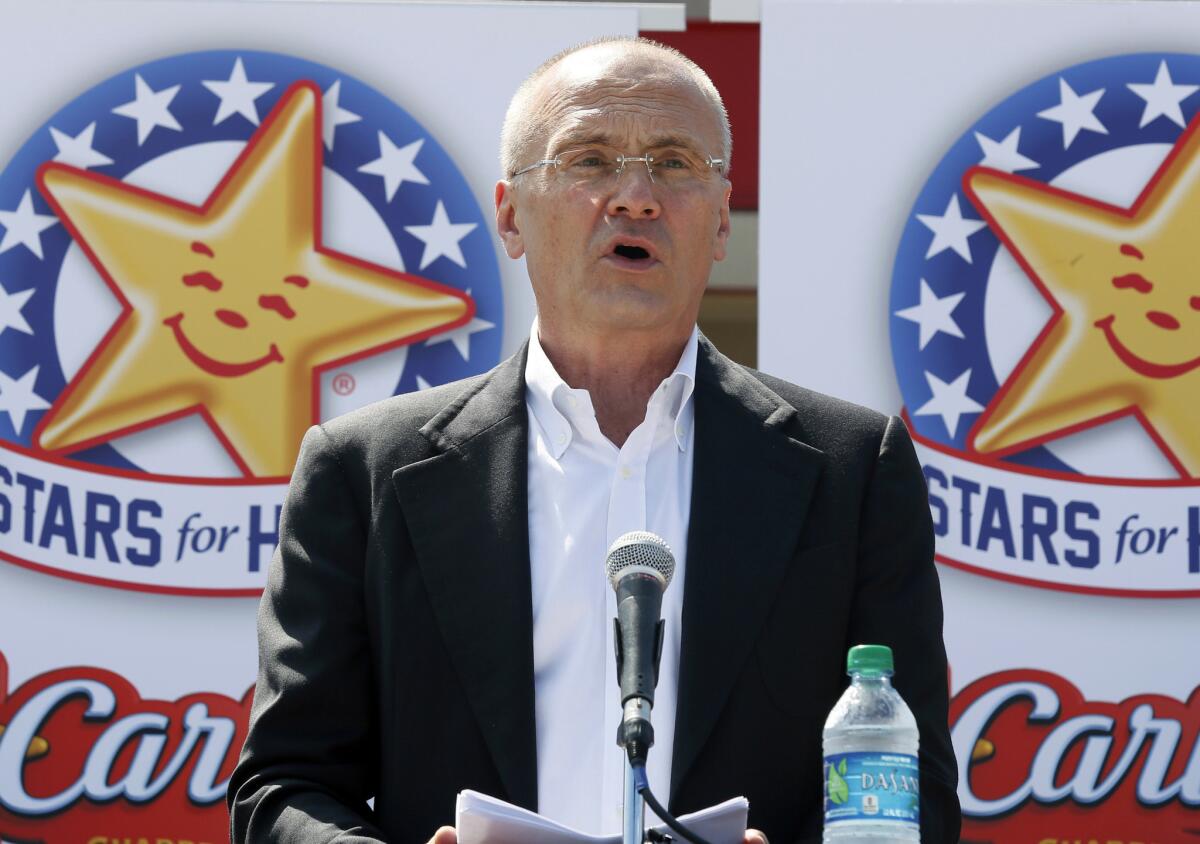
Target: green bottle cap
(871,660)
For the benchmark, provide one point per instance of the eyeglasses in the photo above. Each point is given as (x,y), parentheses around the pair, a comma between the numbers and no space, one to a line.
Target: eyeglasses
(672,167)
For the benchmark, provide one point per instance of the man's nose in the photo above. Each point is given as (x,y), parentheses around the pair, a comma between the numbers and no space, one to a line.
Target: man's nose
(634,194)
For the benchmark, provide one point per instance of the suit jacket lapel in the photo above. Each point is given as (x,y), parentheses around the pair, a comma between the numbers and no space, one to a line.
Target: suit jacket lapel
(751,487)
(466,509)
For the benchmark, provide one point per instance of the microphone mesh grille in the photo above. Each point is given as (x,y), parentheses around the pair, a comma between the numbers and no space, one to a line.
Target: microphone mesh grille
(643,550)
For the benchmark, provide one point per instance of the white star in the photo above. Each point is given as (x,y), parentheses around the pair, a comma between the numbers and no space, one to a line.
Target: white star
(422,384)
(237,94)
(24,226)
(950,401)
(333,115)
(395,165)
(461,336)
(1003,155)
(441,237)
(18,398)
(1075,112)
(951,230)
(1163,97)
(78,151)
(933,314)
(150,108)
(10,310)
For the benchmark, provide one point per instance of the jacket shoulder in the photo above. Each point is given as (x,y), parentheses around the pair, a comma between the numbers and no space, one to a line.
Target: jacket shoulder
(387,433)
(825,421)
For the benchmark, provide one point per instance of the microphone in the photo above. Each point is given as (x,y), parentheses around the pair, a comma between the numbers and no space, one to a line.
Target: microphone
(639,566)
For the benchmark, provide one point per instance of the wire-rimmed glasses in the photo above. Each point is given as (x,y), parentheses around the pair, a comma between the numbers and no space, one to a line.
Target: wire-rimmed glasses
(672,167)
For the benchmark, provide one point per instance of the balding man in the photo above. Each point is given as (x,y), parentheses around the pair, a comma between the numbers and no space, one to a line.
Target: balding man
(436,617)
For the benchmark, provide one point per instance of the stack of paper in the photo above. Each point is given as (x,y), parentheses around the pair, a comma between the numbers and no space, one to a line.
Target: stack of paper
(485,820)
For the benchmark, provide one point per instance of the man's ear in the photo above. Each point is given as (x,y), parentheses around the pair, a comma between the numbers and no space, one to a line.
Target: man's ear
(720,249)
(506,220)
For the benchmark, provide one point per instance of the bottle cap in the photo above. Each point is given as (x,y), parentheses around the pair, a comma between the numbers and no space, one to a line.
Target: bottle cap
(871,660)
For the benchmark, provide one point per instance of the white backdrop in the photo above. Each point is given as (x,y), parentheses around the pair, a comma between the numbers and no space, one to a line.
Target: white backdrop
(453,68)
(860,102)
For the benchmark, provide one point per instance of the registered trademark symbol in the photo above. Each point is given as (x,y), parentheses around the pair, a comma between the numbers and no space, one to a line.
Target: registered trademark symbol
(343,383)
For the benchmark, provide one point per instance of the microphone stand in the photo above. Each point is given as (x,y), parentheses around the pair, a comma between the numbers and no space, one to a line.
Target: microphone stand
(633,821)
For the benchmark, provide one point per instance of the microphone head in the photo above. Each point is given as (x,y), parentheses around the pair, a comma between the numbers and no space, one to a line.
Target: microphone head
(640,552)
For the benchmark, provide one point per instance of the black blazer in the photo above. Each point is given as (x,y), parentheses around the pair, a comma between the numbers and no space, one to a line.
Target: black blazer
(395,632)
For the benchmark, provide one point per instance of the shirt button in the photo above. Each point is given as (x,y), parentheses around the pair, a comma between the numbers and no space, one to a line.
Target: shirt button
(572,401)
(560,439)
(679,431)
(626,472)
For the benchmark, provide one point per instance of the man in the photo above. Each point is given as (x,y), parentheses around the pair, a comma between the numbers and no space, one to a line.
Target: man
(436,616)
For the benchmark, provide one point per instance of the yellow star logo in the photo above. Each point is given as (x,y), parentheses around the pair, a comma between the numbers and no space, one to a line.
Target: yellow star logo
(231,309)
(37,748)
(1125,334)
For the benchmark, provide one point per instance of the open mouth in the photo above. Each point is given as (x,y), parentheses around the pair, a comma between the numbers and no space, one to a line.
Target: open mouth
(1140,365)
(633,253)
(213,366)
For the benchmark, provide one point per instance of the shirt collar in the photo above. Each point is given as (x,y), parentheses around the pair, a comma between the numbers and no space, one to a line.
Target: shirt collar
(546,393)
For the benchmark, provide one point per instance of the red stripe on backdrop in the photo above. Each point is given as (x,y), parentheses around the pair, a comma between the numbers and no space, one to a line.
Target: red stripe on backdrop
(728,52)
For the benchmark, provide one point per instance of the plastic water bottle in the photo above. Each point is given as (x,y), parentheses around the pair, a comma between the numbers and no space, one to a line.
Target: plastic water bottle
(870,746)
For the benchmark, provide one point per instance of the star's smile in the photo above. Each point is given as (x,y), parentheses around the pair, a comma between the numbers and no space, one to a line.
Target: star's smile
(217,367)
(1137,364)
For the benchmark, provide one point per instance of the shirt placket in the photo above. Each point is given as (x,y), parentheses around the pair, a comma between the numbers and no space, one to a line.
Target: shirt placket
(626,512)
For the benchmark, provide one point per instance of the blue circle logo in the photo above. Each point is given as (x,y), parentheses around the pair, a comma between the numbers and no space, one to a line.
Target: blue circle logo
(1045,330)
(205,254)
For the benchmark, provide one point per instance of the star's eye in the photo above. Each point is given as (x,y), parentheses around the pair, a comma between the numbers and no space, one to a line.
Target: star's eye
(278,304)
(203,279)
(1134,281)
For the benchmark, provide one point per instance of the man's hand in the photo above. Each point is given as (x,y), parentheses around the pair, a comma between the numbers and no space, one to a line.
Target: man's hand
(752,836)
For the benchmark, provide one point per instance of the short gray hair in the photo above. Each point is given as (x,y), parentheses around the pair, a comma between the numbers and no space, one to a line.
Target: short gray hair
(520,125)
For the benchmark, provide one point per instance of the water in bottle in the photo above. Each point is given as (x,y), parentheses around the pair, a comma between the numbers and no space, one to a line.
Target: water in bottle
(870,747)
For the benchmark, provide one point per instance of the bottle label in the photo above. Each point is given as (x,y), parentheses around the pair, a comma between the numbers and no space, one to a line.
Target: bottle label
(872,786)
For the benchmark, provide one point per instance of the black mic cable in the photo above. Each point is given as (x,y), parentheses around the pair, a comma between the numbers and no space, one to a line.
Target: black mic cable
(642,783)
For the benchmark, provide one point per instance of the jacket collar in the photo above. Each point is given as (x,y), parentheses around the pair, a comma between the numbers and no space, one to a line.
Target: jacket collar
(752,483)
(466,511)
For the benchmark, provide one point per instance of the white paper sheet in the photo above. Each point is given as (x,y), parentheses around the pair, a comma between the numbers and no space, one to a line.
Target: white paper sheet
(481,819)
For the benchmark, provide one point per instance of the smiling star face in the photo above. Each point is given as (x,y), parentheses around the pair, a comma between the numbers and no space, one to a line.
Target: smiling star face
(219,323)
(230,309)
(1125,335)
(1154,327)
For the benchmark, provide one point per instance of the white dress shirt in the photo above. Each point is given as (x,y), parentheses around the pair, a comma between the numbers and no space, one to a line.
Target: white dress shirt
(584,492)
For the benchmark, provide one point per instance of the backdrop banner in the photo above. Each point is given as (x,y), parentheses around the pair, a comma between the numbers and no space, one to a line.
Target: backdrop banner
(220,223)
(982,216)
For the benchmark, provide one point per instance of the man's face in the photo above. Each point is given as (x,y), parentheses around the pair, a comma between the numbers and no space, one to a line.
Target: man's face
(584,239)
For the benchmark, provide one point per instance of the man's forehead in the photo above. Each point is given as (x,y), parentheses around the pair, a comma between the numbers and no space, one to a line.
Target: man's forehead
(615,61)
(622,95)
